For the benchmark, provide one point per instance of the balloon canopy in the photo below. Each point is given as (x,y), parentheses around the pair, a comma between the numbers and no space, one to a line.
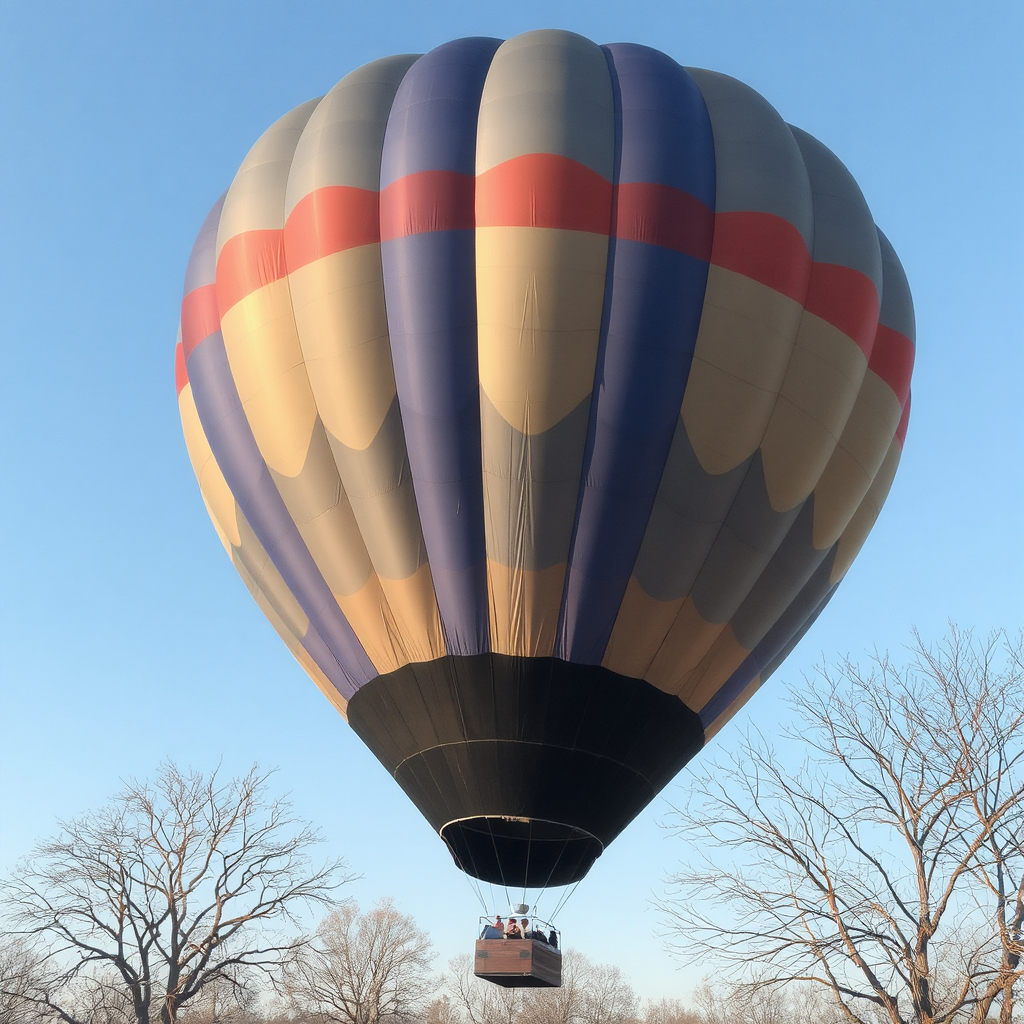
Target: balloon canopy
(542,393)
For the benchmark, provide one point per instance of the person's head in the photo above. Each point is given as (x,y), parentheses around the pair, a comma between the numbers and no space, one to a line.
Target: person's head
(525,922)
(512,920)
(497,919)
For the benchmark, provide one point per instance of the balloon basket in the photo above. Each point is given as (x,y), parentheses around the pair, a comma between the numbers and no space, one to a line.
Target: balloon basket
(518,963)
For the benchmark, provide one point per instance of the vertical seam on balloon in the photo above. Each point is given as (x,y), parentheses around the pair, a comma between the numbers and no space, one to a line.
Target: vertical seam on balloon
(307,611)
(480,611)
(760,658)
(822,554)
(869,369)
(318,422)
(598,372)
(391,358)
(265,472)
(894,443)
(679,425)
(273,488)
(818,556)
(771,664)
(237,551)
(811,496)
(389,631)
(752,460)
(804,312)
(419,522)
(561,629)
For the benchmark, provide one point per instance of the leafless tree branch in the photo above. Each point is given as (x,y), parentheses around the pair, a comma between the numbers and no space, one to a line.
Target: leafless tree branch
(177,885)
(363,968)
(887,868)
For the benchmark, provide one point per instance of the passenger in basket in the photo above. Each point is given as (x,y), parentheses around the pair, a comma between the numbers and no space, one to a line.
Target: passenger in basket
(512,930)
(494,931)
(553,939)
(528,932)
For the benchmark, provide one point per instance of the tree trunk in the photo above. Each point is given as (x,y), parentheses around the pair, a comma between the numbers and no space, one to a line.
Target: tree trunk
(1006,1010)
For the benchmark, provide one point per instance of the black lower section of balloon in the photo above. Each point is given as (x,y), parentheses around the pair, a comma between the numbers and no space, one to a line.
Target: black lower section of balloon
(527,767)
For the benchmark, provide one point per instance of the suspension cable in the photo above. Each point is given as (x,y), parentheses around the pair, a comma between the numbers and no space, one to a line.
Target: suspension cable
(529,848)
(474,884)
(497,860)
(562,902)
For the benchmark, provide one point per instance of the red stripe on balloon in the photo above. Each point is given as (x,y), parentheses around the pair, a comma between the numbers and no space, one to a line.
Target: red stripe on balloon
(664,216)
(532,191)
(763,247)
(426,201)
(547,191)
(248,262)
(846,299)
(770,250)
(542,190)
(901,429)
(892,358)
(180,370)
(330,220)
(199,316)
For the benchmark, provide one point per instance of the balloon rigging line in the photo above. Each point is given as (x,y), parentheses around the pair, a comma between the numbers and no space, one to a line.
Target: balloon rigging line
(497,858)
(526,871)
(554,867)
(474,881)
(474,884)
(562,902)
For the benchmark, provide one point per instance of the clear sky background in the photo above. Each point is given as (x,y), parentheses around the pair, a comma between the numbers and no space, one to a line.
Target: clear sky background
(126,635)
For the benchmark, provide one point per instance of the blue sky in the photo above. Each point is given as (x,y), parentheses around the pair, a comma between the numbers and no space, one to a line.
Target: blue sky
(126,635)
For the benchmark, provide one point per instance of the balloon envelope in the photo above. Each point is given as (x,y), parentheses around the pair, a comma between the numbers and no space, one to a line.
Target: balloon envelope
(542,393)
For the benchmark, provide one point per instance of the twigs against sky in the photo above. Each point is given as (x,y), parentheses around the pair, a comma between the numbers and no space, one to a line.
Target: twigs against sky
(888,866)
(175,886)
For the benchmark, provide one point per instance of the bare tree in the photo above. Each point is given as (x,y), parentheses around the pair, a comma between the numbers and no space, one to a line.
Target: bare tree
(670,1011)
(23,981)
(363,968)
(222,1003)
(173,887)
(753,1002)
(98,998)
(605,997)
(443,1011)
(479,1002)
(29,976)
(888,867)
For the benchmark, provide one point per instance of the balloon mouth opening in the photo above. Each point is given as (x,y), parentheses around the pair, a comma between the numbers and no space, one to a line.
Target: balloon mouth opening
(512,851)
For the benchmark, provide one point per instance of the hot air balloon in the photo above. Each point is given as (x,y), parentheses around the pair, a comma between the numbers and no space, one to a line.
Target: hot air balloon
(542,393)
